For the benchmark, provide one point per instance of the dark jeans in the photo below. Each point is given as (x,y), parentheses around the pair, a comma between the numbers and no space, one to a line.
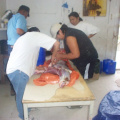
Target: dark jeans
(9,51)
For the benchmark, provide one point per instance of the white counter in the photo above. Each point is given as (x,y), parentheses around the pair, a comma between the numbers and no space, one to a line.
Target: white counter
(3,33)
(2,29)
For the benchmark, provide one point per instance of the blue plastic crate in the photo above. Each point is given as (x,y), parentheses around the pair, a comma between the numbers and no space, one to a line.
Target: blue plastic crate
(41,57)
(109,66)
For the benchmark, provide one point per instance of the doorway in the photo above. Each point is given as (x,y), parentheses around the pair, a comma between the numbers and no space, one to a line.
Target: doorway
(118,51)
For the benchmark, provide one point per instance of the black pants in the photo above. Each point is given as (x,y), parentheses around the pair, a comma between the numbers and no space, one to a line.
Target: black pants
(94,66)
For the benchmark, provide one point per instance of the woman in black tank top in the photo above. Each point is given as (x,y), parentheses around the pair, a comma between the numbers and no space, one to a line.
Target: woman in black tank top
(79,48)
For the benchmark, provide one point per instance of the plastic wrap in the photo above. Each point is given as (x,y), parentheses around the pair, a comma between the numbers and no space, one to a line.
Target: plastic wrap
(109,108)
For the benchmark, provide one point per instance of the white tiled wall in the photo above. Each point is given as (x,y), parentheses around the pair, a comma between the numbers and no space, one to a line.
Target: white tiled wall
(44,13)
(2,7)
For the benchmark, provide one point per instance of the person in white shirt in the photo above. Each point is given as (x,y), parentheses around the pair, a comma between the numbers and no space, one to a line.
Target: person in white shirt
(23,58)
(77,22)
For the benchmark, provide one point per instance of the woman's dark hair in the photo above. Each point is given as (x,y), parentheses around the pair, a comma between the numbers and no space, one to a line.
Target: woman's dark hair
(33,29)
(64,28)
(75,14)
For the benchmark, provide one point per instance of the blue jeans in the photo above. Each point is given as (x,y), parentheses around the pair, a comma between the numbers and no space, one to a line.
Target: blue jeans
(19,81)
(9,49)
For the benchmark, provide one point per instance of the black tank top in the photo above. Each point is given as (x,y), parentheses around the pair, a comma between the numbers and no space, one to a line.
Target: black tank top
(87,50)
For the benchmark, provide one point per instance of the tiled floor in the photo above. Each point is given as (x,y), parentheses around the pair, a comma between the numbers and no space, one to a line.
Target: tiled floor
(100,88)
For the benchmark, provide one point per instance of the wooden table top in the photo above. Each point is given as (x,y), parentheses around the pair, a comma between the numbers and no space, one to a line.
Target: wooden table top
(64,94)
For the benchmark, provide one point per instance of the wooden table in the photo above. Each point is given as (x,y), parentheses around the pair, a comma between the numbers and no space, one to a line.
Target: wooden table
(67,96)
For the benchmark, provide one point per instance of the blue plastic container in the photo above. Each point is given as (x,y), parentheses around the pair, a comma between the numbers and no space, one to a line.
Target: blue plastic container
(41,57)
(109,66)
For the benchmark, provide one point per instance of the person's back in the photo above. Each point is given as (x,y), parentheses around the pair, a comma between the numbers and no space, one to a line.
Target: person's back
(17,25)
(15,22)
(25,52)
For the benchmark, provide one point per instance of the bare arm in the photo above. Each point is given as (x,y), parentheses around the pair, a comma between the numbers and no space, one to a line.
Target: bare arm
(56,47)
(74,49)
(20,31)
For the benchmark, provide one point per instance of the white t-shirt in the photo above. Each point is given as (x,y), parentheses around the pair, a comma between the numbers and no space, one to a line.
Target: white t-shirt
(85,27)
(25,52)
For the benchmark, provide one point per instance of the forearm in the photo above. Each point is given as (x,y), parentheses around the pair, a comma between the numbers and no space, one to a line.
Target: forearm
(20,31)
(56,47)
(69,56)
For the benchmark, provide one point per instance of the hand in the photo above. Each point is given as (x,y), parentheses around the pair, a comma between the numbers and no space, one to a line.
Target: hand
(58,57)
(40,68)
(53,59)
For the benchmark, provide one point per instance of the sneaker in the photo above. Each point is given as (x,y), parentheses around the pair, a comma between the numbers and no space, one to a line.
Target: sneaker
(95,76)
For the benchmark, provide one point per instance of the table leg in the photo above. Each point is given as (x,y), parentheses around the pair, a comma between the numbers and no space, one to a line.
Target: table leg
(91,110)
(25,107)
